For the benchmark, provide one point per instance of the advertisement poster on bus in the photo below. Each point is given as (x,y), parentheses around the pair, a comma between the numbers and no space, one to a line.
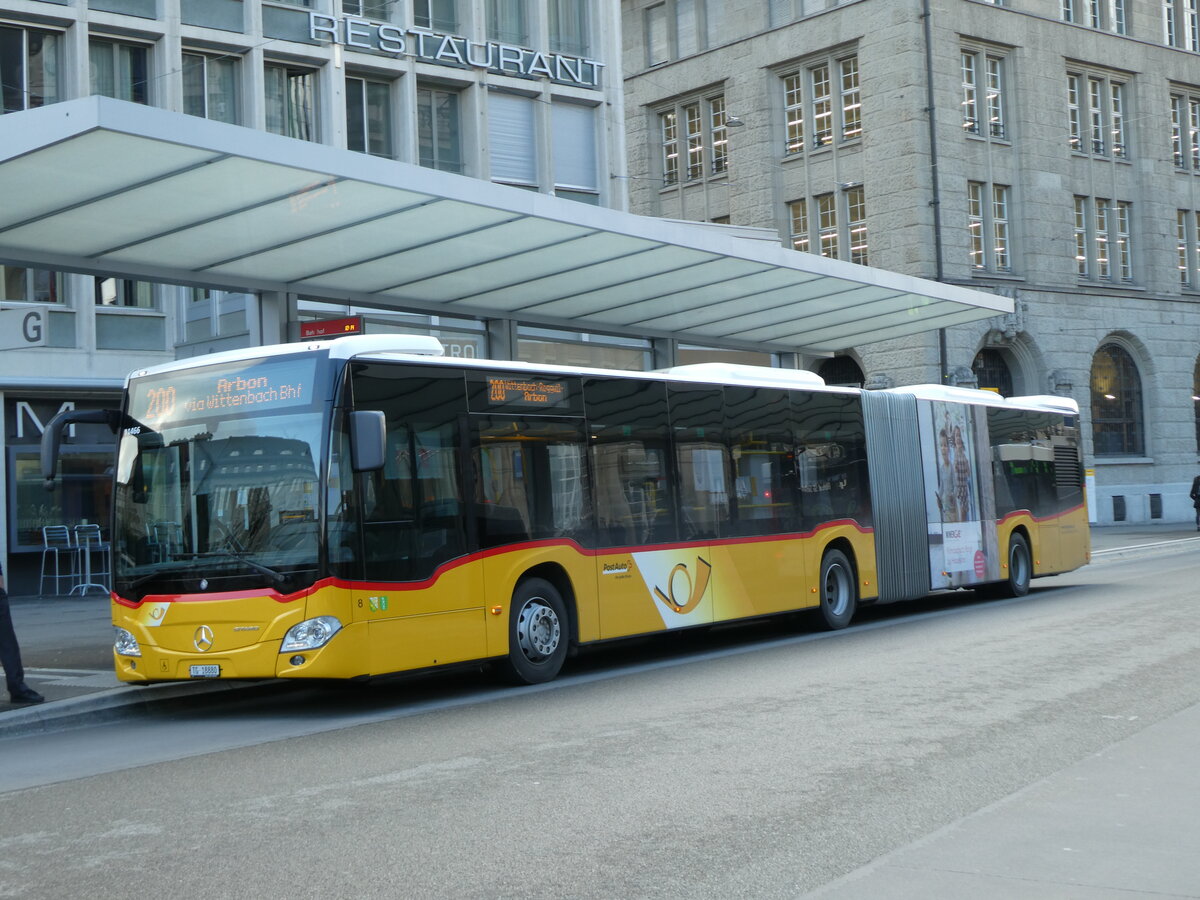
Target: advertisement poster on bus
(959,503)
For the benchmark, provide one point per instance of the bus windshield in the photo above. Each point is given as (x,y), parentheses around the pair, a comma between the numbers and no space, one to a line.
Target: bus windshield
(217,485)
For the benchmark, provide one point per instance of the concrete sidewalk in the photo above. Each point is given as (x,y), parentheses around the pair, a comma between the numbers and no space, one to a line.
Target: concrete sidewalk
(66,646)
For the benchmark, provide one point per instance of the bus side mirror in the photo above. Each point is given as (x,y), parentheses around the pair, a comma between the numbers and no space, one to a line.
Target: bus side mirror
(368,440)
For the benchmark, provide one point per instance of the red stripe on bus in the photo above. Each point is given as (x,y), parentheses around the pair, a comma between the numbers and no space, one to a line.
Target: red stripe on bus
(485,554)
(1025,512)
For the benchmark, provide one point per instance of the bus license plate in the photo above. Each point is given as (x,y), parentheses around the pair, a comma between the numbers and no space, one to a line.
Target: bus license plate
(205,671)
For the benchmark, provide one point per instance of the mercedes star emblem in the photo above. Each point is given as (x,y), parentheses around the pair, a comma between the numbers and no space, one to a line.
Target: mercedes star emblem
(204,638)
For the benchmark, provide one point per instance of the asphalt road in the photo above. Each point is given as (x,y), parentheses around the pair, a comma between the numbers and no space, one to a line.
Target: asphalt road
(1041,747)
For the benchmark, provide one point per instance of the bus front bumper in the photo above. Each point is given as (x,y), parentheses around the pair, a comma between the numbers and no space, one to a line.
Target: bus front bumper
(342,657)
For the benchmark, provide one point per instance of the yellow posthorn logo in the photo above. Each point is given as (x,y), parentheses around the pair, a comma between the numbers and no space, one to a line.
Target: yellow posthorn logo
(695,590)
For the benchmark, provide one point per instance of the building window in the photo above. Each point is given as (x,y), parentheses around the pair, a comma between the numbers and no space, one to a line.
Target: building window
(1123,259)
(29,64)
(658,43)
(1196,401)
(1103,241)
(856,224)
(210,87)
(568,20)
(705,138)
(291,101)
(808,96)
(1185,131)
(511,129)
(798,213)
(1116,403)
(719,133)
(827,227)
(992,372)
(793,103)
(439,138)
(439,15)
(119,70)
(1081,241)
(1104,15)
(369,9)
(780,12)
(987,227)
(836,226)
(1187,244)
(822,103)
(123,292)
(669,128)
(369,116)
(1097,115)
(1181,24)
(506,22)
(575,166)
(676,29)
(970,101)
(695,141)
(983,94)
(1182,254)
(30,285)
(550,346)
(851,99)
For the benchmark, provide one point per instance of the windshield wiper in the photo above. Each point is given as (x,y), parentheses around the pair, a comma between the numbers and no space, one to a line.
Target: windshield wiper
(241,556)
(276,576)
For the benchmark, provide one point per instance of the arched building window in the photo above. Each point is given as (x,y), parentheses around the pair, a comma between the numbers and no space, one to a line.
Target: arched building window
(842,371)
(1117,428)
(992,372)
(1196,401)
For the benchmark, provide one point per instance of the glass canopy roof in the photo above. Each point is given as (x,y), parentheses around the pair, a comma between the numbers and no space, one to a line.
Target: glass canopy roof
(114,188)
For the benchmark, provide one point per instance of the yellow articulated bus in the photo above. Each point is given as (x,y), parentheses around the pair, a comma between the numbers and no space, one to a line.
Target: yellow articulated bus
(365,506)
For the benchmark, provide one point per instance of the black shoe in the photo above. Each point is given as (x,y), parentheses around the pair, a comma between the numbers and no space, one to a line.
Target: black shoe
(26,695)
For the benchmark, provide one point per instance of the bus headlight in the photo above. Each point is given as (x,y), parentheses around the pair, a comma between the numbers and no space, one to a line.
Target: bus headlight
(310,634)
(125,643)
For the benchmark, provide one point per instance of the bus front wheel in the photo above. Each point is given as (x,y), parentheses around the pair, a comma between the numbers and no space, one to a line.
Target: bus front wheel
(537,633)
(839,598)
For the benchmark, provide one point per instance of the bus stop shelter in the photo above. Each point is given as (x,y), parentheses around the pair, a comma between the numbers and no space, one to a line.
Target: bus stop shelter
(106,187)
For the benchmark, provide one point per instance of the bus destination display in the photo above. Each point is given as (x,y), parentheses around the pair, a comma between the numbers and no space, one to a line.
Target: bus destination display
(258,387)
(508,390)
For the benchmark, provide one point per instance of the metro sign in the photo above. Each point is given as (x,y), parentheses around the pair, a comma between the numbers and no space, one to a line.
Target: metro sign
(325,328)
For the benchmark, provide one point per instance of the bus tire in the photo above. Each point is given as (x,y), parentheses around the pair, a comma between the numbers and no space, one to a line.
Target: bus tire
(1020,570)
(538,633)
(839,597)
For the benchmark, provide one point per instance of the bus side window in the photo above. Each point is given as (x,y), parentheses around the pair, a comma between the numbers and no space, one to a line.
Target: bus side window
(628,438)
(702,457)
(763,459)
(532,480)
(831,463)
(412,510)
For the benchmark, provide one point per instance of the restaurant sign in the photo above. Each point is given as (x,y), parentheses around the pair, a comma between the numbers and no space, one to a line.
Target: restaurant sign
(449,49)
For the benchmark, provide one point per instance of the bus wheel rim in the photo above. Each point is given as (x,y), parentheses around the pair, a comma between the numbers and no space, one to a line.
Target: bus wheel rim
(836,594)
(538,630)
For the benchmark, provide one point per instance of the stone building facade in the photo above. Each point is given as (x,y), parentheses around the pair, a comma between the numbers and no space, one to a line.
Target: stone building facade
(1048,150)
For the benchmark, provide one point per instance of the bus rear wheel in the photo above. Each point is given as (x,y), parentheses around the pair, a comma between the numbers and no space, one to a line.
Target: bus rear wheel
(537,633)
(839,599)
(1020,570)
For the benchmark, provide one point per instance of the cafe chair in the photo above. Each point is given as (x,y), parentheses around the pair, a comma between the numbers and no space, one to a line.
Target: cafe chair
(60,560)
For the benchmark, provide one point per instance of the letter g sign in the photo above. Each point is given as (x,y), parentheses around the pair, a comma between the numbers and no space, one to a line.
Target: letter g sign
(33,326)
